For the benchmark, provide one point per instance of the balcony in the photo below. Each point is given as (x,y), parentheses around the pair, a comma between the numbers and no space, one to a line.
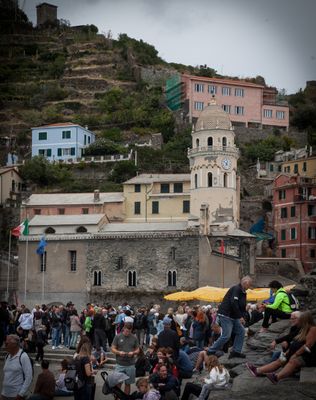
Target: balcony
(215,150)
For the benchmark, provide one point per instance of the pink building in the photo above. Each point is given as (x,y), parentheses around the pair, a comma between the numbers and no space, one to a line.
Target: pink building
(247,103)
(110,204)
(294,200)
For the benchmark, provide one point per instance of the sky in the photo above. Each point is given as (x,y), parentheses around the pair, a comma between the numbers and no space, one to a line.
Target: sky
(272,38)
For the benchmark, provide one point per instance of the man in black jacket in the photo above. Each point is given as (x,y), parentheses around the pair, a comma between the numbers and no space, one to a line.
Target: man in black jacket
(231,318)
(168,337)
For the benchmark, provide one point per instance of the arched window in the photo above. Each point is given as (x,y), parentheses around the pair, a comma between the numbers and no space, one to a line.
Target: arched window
(210,141)
(197,142)
(172,278)
(131,278)
(210,179)
(97,278)
(81,229)
(224,141)
(195,181)
(225,179)
(50,230)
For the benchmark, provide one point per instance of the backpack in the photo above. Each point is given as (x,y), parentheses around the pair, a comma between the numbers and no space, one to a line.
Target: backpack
(294,303)
(72,379)
(31,361)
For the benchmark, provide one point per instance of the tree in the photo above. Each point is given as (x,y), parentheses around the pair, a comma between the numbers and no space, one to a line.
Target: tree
(122,171)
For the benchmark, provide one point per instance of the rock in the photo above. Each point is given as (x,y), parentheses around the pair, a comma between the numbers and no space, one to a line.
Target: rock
(308,375)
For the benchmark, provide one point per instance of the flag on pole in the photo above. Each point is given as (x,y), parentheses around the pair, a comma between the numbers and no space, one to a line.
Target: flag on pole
(22,229)
(222,247)
(41,246)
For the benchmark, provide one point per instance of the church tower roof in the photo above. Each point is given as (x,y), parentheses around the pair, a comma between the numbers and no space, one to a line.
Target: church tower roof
(213,117)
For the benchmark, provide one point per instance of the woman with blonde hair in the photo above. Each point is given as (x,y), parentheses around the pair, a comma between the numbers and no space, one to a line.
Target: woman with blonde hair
(85,374)
(301,352)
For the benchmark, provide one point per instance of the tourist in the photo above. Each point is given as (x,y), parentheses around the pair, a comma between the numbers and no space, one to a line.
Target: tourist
(60,387)
(168,337)
(40,342)
(85,374)
(17,370)
(99,326)
(75,329)
(280,308)
(165,383)
(199,329)
(231,318)
(125,346)
(301,352)
(45,384)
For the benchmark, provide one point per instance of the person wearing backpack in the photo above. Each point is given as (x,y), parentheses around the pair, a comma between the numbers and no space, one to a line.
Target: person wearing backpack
(279,309)
(17,370)
(85,374)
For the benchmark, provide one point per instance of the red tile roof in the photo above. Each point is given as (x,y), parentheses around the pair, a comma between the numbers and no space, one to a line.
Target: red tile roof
(58,124)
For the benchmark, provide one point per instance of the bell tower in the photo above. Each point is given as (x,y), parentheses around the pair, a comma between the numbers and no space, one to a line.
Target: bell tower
(213,164)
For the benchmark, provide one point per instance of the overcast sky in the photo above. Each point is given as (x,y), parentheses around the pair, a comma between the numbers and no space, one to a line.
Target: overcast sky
(272,38)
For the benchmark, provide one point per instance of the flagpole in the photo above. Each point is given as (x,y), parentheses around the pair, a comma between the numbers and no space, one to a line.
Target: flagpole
(26,257)
(43,277)
(223,270)
(8,275)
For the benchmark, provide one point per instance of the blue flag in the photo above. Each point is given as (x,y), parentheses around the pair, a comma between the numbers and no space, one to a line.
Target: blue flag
(41,246)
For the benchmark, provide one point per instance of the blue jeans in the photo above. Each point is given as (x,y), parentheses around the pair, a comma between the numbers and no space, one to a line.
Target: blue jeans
(229,326)
(66,335)
(56,336)
(73,339)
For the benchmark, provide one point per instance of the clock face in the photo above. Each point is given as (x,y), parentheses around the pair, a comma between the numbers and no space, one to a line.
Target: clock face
(226,163)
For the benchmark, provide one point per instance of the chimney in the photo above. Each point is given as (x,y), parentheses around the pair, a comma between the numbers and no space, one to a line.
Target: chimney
(96,195)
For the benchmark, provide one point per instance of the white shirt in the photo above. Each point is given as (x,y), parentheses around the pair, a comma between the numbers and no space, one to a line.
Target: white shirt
(217,378)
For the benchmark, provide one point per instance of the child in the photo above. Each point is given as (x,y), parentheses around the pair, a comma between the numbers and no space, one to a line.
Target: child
(219,378)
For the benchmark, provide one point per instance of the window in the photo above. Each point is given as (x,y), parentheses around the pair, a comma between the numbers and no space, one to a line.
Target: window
(66,134)
(224,141)
(97,278)
(267,113)
(66,152)
(280,114)
(164,188)
(293,233)
(293,211)
(178,187)
(226,91)
(73,260)
(312,253)
(172,278)
(85,211)
(61,211)
(226,108)
(13,185)
(225,179)
(283,253)
(239,110)
(45,152)
(50,230)
(42,135)
(271,168)
(197,142)
(137,207)
(282,194)
(43,261)
(155,207)
(85,140)
(304,169)
(195,181)
(295,168)
(210,141)
(239,92)
(120,262)
(81,229)
(186,206)
(287,169)
(199,87)
(89,139)
(312,232)
(131,278)
(283,212)
(173,253)
(198,105)
(137,188)
(212,89)
(210,179)
(283,234)
(311,210)
(37,211)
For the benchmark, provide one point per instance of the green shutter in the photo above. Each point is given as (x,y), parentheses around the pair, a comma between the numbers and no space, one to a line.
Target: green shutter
(49,152)
(73,151)
(59,152)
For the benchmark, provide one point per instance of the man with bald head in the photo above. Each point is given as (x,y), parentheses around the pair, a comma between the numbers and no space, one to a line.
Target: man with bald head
(230,316)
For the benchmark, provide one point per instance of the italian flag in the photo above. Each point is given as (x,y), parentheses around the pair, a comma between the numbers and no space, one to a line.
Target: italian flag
(22,229)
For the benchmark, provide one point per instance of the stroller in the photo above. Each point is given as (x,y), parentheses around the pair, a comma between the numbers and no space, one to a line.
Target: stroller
(110,382)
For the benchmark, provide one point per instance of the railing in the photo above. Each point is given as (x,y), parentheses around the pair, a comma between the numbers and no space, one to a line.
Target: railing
(98,159)
(214,149)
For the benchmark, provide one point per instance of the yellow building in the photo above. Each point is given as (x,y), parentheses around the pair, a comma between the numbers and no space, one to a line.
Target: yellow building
(303,167)
(157,198)
(10,186)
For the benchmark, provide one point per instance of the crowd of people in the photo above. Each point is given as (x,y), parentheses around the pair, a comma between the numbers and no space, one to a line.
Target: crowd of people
(165,348)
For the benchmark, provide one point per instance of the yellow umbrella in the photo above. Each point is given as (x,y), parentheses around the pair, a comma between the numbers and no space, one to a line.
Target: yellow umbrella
(179,296)
(209,293)
(260,294)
